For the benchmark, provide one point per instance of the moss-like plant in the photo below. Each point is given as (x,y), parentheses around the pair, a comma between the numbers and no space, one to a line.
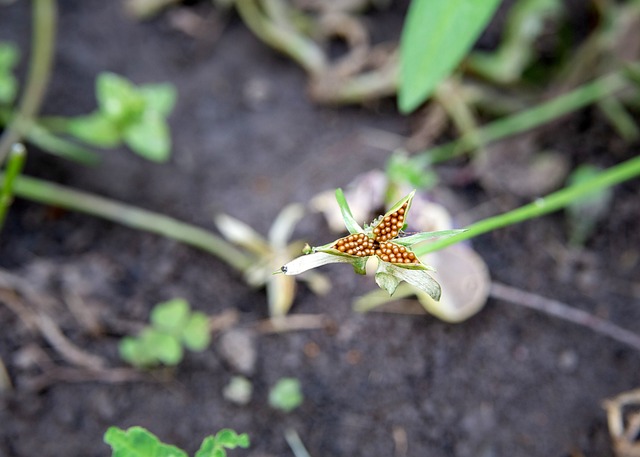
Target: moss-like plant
(139,442)
(173,325)
(286,395)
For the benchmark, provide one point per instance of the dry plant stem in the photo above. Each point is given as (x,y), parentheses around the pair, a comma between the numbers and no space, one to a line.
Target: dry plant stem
(75,200)
(282,37)
(5,380)
(553,202)
(291,323)
(43,42)
(58,374)
(565,312)
(295,443)
(51,332)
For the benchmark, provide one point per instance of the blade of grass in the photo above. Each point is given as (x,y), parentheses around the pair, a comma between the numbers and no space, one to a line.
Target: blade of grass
(43,30)
(520,122)
(553,202)
(54,194)
(15,163)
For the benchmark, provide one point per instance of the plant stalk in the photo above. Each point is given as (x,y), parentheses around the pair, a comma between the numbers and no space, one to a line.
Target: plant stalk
(54,194)
(553,202)
(43,42)
(15,164)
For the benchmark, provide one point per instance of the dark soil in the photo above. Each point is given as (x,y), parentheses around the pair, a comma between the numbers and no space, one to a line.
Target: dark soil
(508,382)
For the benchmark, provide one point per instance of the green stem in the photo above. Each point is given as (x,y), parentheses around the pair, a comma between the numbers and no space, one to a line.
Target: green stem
(44,27)
(71,199)
(15,164)
(525,120)
(553,202)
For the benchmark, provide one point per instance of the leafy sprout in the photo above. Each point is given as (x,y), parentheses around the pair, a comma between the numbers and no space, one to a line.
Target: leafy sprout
(383,240)
(130,114)
(139,442)
(173,325)
(8,82)
(286,395)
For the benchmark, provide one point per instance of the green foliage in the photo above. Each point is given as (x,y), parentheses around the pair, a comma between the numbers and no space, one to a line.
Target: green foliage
(135,115)
(173,325)
(436,36)
(286,395)
(8,83)
(139,442)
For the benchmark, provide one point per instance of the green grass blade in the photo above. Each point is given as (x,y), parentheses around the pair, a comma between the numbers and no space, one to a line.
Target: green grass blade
(615,175)
(15,164)
(437,34)
(63,197)
(349,221)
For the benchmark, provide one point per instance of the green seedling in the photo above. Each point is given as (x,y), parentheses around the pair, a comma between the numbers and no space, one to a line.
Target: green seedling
(139,442)
(382,240)
(286,395)
(173,326)
(134,115)
(436,36)
(8,82)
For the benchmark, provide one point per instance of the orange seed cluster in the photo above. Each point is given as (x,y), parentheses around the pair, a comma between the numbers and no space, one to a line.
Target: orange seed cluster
(358,244)
(388,228)
(390,225)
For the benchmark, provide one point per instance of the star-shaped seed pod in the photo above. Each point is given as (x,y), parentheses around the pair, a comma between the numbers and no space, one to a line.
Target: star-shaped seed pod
(381,239)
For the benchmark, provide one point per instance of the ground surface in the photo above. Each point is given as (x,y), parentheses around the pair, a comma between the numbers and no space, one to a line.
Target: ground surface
(509,382)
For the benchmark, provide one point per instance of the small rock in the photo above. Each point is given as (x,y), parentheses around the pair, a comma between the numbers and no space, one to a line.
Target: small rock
(238,349)
(568,361)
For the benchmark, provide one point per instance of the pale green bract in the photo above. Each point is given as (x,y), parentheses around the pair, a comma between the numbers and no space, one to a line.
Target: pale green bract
(388,275)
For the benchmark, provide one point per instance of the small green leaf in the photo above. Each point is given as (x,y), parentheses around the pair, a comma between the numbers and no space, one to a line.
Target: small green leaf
(134,351)
(95,129)
(149,137)
(196,335)
(401,170)
(436,36)
(138,442)
(387,281)
(171,316)
(349,221)
(388,273)
(286,395)
(159,97)
(164,347)
(230,439)
(8,89)
(118,99)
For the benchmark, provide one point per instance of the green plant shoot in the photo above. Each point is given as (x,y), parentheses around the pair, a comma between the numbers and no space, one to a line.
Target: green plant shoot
(8,82)
(437,34)
(135,115)
(139,442)
(173,325)
(382,240)
(286,395)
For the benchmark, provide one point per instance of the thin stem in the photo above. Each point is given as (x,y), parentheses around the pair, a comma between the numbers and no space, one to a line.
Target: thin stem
(44,28)
(526,120)
(75,200)
(565,312)
(553,202)
(15,164)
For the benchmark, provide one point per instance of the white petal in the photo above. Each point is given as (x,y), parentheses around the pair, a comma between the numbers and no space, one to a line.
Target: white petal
(309,261)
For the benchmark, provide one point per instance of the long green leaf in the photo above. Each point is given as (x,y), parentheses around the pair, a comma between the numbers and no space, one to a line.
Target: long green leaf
(437,34)
(349,220)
